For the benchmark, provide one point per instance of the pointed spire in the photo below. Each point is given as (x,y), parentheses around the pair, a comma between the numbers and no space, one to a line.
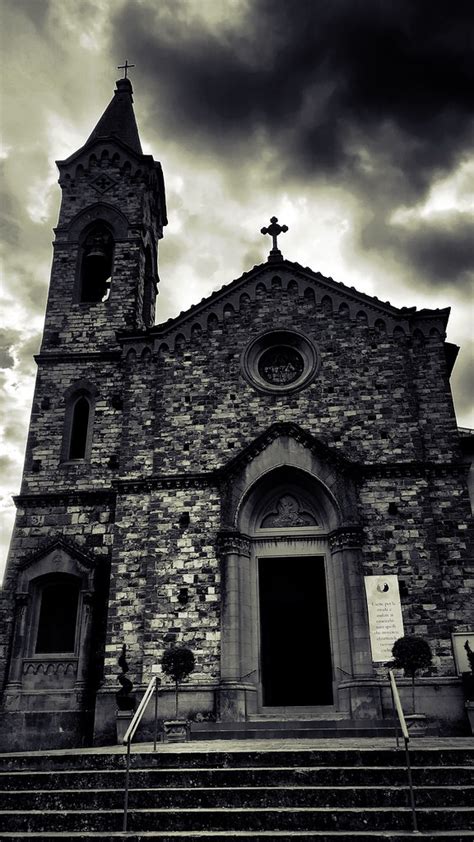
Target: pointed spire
(118,119)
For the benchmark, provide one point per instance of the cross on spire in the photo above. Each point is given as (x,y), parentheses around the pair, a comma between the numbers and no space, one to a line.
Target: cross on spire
(274,229)
(125,67)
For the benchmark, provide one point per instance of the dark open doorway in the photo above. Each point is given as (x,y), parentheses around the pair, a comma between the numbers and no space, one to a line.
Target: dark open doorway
(294,632)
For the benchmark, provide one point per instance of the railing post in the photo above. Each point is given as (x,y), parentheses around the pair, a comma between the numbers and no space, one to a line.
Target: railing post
(127,783)
(129,734)
(394,712)
(157,683)
(410,786)
(406,738)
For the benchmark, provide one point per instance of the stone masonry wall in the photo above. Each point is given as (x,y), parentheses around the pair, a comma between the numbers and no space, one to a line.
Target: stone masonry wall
(45,466)
(160,558)
(365,401)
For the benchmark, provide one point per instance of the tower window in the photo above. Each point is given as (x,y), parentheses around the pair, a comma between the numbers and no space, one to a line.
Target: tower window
(96,265)
(59,601)
(79,428)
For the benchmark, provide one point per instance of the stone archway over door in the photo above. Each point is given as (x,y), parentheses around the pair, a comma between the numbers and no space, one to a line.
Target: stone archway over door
(288,513)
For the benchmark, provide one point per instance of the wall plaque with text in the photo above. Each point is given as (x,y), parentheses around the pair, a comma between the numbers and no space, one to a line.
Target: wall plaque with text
(385,615)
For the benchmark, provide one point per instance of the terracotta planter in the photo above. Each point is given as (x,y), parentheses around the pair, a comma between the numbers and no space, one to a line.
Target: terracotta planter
(176,731)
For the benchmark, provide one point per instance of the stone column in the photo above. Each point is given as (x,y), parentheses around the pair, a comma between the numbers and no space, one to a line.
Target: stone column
(18,642)
(234,553)
(359,691)
(83,648)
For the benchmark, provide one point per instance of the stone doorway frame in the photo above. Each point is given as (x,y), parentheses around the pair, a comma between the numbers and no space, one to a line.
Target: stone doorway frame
(288,463)
(308,547)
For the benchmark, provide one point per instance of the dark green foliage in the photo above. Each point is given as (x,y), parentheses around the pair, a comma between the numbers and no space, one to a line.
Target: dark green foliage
(411,654)
(178,663)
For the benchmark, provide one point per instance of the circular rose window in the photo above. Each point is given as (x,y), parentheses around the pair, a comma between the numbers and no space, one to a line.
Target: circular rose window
(280,361)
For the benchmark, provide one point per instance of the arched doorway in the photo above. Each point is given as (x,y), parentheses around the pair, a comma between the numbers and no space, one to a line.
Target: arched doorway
(292,582)
(290,613)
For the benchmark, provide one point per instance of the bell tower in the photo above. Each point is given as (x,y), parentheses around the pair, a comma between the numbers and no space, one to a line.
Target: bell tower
(104,274)
(103,283)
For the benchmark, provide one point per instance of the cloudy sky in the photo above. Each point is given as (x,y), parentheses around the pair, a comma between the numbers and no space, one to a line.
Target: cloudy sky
(350,120)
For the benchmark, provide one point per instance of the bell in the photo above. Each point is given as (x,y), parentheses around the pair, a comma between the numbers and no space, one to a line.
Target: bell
(97,248)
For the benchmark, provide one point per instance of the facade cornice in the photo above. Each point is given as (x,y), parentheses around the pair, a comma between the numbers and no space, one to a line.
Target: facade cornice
(191,480)
(47,357)
(408,469)
(65,497)
(404,319)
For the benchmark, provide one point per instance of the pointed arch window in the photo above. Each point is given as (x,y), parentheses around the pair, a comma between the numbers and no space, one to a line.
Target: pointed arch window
(96,264)
(79,428)
(78,423)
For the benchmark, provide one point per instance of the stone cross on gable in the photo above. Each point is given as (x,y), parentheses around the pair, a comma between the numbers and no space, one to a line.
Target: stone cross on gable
(125,67)
(274,229)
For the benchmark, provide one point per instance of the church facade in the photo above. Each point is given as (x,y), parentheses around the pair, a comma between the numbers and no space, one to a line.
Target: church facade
(226,480)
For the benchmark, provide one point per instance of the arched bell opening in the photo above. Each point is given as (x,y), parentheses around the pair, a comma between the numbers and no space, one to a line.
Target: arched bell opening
(96,260)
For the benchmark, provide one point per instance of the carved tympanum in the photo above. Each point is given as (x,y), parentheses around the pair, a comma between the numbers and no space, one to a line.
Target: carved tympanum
(289,512)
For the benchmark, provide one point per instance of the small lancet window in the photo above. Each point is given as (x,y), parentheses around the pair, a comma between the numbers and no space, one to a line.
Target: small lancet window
(79,428)
(57,616)
(96,265)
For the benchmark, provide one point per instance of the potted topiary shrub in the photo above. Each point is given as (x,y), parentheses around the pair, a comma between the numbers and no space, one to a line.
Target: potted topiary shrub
(412,653)
(468,686)
(177,663)
(126,700)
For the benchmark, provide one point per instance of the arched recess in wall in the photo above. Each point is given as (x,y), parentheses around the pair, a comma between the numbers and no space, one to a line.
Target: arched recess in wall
(286,591)
(96,231)
(53,627)
(56,597)
(78,422)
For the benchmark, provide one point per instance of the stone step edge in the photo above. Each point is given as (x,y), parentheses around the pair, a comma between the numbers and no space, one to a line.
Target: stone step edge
(441,788)
(246,834)
(186,770)
(455,744)
(193,810)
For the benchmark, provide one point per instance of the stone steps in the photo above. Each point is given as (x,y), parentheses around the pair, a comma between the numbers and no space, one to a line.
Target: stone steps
(235,791)
(240,796)
(227,777)
(220,756)
(270,728)
(241,818)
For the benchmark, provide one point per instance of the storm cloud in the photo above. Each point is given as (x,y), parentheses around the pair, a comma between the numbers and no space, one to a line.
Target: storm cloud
(350,121)
(375,97)
(321,80)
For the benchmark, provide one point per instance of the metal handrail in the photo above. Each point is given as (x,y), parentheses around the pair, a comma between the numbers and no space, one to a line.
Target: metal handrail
(397,706)
(130,733)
